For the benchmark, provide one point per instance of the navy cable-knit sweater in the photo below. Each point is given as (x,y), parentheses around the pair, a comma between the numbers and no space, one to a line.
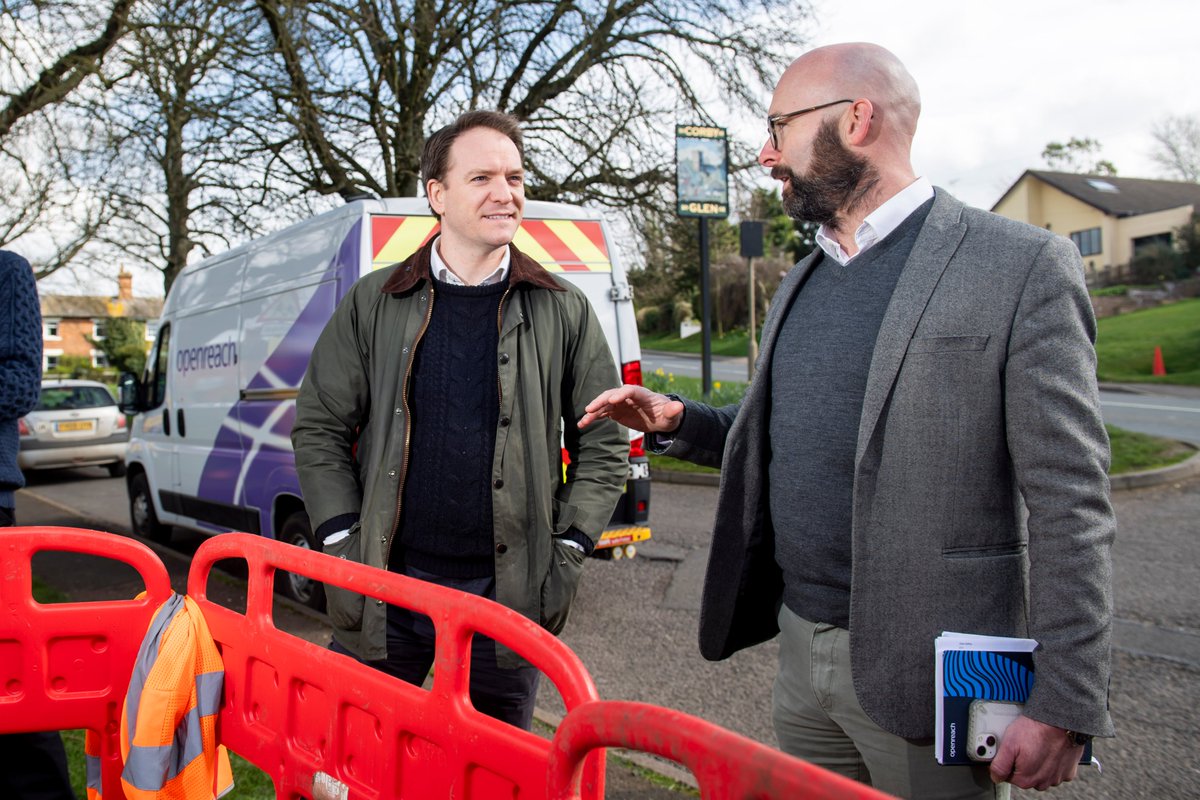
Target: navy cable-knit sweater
(446,509)
(20,363)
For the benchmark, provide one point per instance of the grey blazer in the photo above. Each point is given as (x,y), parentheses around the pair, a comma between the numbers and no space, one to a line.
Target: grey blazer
(981,496)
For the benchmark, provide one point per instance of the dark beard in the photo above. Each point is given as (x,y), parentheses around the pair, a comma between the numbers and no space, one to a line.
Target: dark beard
(837,180)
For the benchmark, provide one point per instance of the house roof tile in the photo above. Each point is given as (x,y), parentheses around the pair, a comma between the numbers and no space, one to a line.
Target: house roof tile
(66,306)
(1119,197)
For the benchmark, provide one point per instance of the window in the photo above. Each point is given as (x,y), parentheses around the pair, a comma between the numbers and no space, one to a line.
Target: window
(51,360)
(65,398)
(50,328)
(99,359)
(99,327)
(156,369)
(1157,240)
(1087,241)
(1102,186)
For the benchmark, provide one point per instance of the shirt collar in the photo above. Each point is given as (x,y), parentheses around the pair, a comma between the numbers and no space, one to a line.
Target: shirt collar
(446,275)
(880,222)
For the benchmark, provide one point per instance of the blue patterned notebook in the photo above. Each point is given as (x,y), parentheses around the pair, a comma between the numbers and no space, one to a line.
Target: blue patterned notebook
(981,683)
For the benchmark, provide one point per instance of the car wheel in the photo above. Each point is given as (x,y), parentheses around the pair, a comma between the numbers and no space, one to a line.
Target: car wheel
(141,512)
(297,531)
(117,469)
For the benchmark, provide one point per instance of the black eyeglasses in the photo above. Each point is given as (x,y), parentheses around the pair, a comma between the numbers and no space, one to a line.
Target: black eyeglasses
(774,120)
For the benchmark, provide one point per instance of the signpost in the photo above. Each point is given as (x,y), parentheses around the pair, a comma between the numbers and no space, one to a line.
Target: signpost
(702,190)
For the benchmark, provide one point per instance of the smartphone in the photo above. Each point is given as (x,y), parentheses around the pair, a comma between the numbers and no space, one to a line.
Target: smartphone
(986,723)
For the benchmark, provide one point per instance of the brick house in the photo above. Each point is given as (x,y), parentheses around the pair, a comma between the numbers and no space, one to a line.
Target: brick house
(67,321)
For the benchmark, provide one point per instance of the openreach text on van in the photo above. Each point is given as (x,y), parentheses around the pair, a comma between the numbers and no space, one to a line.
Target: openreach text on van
(213,356)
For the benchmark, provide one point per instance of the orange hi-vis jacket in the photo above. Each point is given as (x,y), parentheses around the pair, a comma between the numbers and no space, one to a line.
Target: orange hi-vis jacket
(168,724)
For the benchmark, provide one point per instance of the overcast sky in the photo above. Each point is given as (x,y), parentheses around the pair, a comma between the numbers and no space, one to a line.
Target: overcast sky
(999,80)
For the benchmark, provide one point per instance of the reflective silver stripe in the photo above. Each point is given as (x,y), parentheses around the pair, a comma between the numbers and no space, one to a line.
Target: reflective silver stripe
(208,692)
(146,656)
(150,768)
(93,774)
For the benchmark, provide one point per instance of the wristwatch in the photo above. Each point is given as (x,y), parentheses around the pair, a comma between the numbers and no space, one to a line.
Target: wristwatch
(1079,739)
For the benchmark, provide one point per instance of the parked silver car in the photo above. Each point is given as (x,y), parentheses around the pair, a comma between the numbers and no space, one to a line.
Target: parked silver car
(75,424)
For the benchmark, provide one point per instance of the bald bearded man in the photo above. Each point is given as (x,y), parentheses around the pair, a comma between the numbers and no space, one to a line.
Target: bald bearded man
(922,451)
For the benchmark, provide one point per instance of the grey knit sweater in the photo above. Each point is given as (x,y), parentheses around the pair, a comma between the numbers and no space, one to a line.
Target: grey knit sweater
(818,378)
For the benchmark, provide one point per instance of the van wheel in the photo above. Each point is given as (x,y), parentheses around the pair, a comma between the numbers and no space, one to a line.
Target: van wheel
(141,512)
(304,590)
(116,469)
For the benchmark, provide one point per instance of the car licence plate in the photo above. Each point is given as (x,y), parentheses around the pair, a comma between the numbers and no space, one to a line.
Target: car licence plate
(75,425)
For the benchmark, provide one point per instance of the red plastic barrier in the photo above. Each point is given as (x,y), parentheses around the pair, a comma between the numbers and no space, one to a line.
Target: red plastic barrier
(312,718)
(726,765)
(67,665)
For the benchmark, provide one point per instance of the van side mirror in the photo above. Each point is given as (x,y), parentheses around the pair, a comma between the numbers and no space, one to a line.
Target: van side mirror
(130,395)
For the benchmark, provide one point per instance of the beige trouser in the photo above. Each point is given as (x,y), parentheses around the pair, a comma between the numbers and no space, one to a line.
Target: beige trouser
(818,718)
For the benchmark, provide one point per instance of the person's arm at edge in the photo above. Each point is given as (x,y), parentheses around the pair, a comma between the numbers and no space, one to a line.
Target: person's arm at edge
(20,338)
(1060,454)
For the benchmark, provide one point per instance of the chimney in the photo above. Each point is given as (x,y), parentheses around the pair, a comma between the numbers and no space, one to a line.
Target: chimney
(124,285)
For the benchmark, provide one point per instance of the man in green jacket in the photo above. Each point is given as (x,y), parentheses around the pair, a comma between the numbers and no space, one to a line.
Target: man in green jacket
(453,372)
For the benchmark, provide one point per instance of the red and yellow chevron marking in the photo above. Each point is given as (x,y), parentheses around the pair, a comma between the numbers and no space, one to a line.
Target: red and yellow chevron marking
(396,238)
(559,245)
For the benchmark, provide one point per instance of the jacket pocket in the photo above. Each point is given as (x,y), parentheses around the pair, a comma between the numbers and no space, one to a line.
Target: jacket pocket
(345,608)
(947,344)
(564,515)
(985,551)
(560,585)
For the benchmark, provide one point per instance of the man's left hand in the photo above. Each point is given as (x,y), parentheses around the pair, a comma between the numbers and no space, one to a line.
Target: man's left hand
(1034,755)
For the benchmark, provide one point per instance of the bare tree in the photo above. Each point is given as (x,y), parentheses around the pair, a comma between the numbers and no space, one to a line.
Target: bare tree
(597,84)
(186,180)
(50,210)
(64,74)
(1177,147)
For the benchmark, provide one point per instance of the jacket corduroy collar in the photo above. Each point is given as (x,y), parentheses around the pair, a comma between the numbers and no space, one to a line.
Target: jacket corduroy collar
(522,269)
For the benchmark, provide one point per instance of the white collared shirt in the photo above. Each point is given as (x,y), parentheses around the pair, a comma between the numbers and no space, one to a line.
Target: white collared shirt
(446,275)
(880,222)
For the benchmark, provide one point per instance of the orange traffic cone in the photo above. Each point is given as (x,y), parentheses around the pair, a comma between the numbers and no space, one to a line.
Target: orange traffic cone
(1159,368)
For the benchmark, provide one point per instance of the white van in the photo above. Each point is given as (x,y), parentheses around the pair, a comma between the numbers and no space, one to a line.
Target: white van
(210,445)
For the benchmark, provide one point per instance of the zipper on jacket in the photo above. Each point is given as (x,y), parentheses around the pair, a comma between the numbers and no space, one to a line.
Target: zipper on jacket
(499,332)
(387,554)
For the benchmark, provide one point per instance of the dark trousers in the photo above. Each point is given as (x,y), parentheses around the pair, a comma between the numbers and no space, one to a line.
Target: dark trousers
(33,766)
(506,694)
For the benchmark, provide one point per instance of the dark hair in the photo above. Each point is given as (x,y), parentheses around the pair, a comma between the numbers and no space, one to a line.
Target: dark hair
(436,154)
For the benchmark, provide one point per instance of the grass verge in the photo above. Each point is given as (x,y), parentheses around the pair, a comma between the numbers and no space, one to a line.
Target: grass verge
(1133,452)
(1125,345)
(250,783)
(733,343)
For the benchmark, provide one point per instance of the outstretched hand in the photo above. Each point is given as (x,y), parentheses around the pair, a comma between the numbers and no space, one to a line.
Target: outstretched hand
(1034,755)
(635,407)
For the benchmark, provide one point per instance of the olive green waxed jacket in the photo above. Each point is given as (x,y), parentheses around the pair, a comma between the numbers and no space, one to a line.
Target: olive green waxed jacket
(552,359)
